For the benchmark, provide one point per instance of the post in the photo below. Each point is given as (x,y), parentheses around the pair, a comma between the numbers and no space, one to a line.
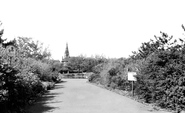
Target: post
(131,77)
(132,88)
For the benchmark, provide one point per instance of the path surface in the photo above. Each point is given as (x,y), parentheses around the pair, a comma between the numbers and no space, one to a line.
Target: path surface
(78,96)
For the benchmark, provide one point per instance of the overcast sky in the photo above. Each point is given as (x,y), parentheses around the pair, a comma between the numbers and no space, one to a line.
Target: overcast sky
(113,28)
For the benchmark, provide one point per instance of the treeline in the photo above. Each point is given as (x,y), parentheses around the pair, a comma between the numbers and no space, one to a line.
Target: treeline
(26,72)
(159,65)
(84,64)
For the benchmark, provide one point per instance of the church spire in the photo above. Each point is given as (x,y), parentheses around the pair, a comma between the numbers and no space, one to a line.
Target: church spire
(67,51)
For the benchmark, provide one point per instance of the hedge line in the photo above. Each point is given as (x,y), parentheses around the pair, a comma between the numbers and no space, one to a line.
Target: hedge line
(22,79)
(160,66)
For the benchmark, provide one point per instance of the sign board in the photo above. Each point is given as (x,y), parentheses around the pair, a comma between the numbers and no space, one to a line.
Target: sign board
(131,76)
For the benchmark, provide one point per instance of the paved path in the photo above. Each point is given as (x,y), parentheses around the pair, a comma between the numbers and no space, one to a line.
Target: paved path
(77,96)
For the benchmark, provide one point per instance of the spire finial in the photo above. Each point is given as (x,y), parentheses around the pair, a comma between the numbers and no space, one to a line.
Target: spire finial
(67,51)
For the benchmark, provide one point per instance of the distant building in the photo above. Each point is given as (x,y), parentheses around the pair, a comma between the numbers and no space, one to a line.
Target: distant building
(65,60)
(66,70)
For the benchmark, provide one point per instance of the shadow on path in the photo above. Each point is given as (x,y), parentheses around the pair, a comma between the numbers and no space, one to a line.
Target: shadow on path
(62,81)
(58,86)
(44,104)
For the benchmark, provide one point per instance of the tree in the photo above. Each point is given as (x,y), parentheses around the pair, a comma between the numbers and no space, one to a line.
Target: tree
(160,43)
(1,33)
(161,78)
(8,72)
(84,64)
(76,63)
(21,73)
(32,49)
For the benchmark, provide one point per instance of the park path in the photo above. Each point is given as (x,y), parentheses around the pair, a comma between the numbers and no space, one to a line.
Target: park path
(78,96)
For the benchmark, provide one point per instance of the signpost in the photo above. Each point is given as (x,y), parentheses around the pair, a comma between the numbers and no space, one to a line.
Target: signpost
(131,77)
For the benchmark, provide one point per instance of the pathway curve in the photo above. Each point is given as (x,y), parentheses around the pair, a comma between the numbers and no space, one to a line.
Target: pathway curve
(78,96)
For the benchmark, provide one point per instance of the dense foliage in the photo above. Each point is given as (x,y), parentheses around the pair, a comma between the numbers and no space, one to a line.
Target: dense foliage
(159,65)
(23,74)
(111,74)
(161,78)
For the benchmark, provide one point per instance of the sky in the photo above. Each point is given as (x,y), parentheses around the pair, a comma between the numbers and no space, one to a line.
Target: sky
(110,28)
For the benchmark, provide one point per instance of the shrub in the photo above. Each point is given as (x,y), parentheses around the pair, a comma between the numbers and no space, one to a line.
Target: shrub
(18,85)
(48,85)
(112,74)
(18,89)
(43,70)
(21,72)
(162,79)
(94,78)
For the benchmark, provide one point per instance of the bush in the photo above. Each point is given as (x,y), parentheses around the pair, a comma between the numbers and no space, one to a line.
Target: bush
(19,89)
(19,86)
(48,85)
(160,66)
(112,74)
(43,70)
(94,78)
(162,80)
(22,70)
(160,76)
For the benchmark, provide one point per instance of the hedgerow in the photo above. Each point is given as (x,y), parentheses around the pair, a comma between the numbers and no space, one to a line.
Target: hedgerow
(162,79)
(21,77)
(159,65)
(17,87)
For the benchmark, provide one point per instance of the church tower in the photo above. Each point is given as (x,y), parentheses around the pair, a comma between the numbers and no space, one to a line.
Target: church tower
(66,55)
